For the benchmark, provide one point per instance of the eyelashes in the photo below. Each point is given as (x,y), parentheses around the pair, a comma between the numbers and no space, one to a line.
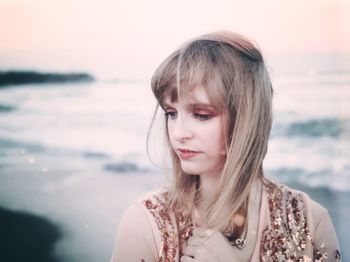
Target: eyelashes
(171,115)
(201,117)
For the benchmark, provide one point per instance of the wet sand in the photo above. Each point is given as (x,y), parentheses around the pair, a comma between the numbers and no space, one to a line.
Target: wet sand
(26,237)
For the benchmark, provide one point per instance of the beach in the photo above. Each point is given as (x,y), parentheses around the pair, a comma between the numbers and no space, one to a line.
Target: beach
(73,158)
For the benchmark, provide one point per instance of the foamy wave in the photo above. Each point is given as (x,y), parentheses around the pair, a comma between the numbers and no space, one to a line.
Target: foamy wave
(331,127)
(330,179)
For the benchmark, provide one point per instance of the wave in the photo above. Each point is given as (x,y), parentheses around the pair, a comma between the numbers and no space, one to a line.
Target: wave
(331,127)
(124,167)
(90,154)
(324,179)
(11,78)
(6,108)
(28,146)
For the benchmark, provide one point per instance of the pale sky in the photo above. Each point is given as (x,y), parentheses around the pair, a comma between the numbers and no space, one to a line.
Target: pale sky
(130,38)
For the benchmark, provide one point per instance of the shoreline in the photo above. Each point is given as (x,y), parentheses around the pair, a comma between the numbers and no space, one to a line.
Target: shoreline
(20,78)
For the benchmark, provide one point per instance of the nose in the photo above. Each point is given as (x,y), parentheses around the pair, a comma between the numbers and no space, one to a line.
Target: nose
(182,130)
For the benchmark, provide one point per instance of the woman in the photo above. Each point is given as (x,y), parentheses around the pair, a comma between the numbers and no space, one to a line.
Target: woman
(217,97)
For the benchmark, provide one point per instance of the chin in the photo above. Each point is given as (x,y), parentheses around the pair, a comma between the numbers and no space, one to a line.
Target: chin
(190,170)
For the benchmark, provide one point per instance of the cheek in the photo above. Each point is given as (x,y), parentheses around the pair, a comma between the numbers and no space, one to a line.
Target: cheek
(215,137)
(169,132)
(171,138)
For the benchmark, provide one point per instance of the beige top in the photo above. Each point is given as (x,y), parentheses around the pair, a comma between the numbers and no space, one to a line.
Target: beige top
(283,224)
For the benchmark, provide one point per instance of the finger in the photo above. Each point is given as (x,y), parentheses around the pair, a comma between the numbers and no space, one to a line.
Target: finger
(198,231)
(186,259)
(202,232)
(195,241)
(190,251)
(217,237)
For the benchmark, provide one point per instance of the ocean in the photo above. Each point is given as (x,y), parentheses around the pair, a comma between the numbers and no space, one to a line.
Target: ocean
(73,157)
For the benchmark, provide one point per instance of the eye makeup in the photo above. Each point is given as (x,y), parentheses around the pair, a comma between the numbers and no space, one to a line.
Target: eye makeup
(200,114)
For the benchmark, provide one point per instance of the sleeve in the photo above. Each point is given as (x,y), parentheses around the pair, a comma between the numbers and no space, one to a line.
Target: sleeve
(135,239)
(326,243)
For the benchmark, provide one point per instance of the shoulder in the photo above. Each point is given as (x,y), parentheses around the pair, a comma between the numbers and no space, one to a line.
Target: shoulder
(156,197)
(146,211)
(304,218)
(141,209)
(293,198)
(137,236)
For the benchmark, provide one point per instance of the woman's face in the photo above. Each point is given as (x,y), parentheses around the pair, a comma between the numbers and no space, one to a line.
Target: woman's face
(197,133)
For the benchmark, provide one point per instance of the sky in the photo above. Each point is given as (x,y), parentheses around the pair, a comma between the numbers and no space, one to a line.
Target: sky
(128,39)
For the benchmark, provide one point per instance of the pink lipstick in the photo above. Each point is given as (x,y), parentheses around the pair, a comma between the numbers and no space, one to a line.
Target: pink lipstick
(187,154)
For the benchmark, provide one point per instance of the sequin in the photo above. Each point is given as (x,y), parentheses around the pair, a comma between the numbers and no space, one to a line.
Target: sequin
(288,233)
(336,255)
(285,239)
(173,236)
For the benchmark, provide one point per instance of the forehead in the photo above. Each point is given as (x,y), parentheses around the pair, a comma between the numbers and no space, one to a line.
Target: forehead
(196,96)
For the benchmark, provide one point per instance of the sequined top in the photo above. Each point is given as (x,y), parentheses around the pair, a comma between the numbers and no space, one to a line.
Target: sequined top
(285,225)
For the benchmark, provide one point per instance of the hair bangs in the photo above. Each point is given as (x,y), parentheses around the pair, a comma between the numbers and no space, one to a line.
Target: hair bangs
(190,66)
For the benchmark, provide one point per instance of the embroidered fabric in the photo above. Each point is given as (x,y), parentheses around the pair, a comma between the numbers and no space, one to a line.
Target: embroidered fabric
(174,236)
(288,233)
(284,239)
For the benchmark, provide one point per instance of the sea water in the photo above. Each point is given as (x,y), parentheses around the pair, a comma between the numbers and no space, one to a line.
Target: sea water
(76,154)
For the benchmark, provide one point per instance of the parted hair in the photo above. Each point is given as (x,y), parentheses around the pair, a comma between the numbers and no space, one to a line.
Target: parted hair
(232,70)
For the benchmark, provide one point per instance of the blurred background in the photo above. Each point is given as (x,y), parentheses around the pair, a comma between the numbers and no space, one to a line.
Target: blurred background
(76,104)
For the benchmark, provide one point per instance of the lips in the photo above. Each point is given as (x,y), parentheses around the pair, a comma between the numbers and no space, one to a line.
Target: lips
(186,153)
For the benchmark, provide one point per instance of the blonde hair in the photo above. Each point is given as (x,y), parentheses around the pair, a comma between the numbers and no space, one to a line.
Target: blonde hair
(232,71)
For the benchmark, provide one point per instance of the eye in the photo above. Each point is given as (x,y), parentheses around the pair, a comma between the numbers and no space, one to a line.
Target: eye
(202,116)
(171,114)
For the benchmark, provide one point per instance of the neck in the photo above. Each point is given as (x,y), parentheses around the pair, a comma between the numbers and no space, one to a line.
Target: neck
(208,186)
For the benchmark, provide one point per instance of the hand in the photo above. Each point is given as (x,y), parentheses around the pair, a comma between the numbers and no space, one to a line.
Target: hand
(207,246)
